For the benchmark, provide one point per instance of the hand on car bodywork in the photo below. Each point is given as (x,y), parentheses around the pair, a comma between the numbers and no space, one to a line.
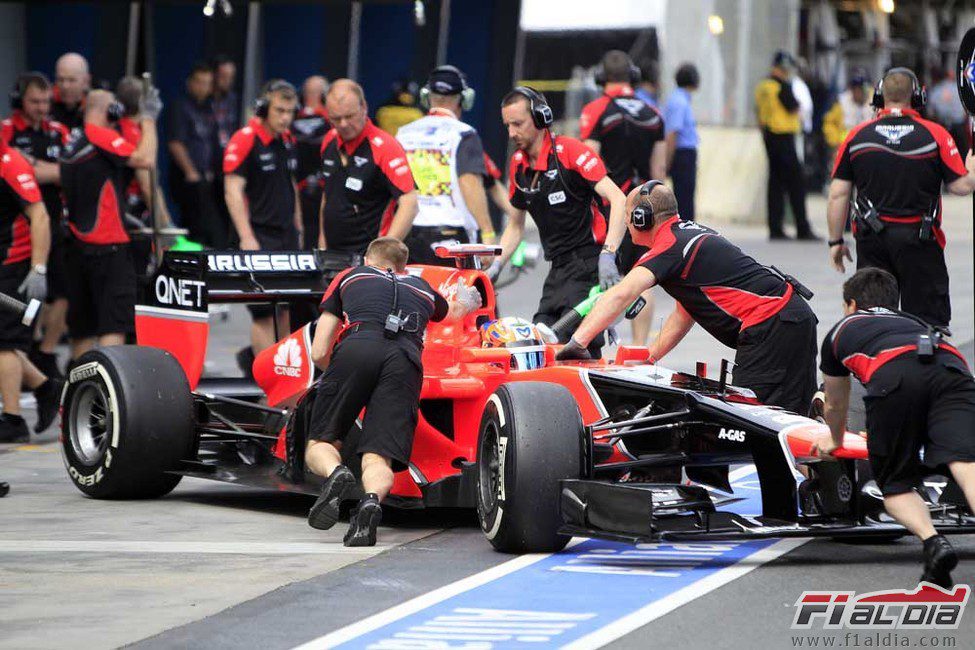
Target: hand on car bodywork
(573,351)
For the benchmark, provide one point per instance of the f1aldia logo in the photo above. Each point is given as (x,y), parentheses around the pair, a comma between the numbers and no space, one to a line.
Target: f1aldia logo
(928,607)
(287,360)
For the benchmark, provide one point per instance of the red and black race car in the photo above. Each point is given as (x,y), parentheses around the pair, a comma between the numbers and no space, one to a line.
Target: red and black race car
(621,449)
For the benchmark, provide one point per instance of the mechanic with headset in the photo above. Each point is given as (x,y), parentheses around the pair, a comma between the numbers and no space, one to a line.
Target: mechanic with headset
(559,180)
(919,393)
(94,174)
(754,309)
(447,161)
(375,365)
(898,163)
(368,189)
(31,131)
(24,238)
(309,128)
(261,193)
(629,135)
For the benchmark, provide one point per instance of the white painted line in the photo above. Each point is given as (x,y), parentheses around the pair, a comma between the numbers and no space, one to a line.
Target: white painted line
(192,548)
(655,610)
(741,472)
(423,601)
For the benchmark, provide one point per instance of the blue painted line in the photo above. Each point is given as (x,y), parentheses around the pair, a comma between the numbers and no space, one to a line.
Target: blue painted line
(567,596)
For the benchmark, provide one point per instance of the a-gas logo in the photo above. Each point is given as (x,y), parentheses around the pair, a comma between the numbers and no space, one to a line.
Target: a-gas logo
(734,435)
(287,360)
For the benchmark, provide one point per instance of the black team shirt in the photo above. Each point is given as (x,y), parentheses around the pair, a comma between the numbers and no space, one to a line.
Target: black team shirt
(267,163)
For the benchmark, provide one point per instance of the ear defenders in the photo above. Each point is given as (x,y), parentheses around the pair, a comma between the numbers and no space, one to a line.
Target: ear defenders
(642,215)
(263,103)
(919,94)
(634,75)
(115,111)
(20,87)
(467,93)
(538,108)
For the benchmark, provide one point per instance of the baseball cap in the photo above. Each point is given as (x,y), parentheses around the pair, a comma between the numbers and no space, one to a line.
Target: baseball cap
(784,60)
(446,80)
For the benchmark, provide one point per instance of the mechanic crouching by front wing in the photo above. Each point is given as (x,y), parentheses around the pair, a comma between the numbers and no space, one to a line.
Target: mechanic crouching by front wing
(919,393)
(744,305)
(375,365)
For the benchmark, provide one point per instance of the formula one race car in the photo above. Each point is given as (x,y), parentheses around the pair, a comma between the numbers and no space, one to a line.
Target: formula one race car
(543,450)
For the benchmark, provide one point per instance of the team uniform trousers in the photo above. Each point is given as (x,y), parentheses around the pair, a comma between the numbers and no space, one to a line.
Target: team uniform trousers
(14,335)
(683,170)
(567,284)
(101,289)
(912,407)
(919,266)
(785,176)
(777,358)
(381,375)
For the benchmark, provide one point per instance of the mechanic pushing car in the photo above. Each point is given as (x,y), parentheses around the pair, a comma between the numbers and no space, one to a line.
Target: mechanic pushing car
(376,364)
(898,163)
(559,181)
(746,306)
(919,394)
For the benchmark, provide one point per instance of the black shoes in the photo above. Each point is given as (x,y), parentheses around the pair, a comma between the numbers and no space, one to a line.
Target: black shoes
(325,512)
(939,560)
(13,428)
(46,362)
(48,396)
(364,521)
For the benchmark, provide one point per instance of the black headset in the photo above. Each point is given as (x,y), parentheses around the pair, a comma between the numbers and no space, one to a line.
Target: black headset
(20,87)
(634,74)
(466,94)
(115,111)
(263,103)
(919,94)
(541,112)
(642,215)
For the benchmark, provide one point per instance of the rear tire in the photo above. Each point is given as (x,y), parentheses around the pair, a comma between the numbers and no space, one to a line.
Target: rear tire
(127,422)
(530,437)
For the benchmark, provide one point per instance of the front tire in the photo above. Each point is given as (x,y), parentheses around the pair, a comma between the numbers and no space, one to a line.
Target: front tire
(127,422)
(530,437)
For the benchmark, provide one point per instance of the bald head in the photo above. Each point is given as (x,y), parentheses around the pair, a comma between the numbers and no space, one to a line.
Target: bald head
(313,90)
(96,107)
(661,199)
(346,106)
(897,89)
(71,77)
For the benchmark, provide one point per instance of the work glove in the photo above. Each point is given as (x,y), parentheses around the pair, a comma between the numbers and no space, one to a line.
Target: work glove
(468,297)
(609,274)
(151,105)
(572,351)
(494,270)
(34,286)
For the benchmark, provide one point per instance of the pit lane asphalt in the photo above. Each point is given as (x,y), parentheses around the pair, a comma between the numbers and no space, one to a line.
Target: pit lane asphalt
(218,566)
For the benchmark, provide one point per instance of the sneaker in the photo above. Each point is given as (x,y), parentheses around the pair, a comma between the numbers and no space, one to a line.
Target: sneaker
(939,560)
(13,428)
(46,362)
(325,512)
(365,520)
(48,396)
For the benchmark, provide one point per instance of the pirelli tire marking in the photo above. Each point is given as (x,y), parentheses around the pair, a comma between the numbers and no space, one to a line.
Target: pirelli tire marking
(79,374)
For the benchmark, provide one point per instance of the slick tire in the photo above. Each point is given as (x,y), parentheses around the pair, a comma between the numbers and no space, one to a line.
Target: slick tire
(530,437)
(126,422)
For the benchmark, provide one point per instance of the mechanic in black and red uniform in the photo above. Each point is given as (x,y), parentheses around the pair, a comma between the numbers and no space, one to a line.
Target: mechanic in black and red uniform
(309,129)
(24,244)
(376,365)
(261,193)
(746,306)
(919,394)
(40,139)
(559,181)
(369,189)
(94,175)
(629,136)
(898,163)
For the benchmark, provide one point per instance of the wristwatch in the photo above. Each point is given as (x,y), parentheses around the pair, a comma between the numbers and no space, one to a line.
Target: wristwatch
(39,269)
(608,249)
(835,242)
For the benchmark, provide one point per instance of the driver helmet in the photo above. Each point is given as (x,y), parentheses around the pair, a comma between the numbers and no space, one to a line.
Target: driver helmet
(523,339)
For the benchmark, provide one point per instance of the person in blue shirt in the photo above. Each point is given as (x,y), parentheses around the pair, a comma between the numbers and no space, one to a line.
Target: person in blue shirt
(682,138)
(649,87)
